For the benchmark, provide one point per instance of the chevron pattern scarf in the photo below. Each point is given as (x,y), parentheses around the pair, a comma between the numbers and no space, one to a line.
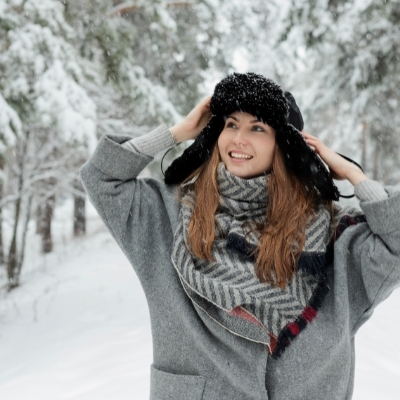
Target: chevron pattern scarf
(228,289)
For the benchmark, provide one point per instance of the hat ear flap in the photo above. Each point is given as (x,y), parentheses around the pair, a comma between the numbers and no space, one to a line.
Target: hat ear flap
(301,160)
(196,154)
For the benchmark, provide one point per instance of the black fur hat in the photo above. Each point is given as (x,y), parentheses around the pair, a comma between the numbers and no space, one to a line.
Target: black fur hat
(263,98)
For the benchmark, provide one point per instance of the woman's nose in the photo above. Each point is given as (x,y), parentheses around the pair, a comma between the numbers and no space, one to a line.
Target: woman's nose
(239,139)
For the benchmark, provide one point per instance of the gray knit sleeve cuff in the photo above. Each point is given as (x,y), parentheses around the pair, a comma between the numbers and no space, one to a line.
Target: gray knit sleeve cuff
(369,190)
(152,143)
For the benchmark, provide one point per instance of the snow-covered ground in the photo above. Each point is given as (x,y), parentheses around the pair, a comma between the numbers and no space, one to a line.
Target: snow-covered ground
(78,328)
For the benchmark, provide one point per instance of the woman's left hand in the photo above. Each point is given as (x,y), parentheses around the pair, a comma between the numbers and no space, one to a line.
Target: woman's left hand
(340,168)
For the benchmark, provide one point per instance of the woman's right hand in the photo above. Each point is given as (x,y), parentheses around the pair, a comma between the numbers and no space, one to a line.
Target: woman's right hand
(194,122)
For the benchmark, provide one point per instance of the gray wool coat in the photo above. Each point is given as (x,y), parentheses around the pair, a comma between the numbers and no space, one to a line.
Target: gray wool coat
(194,357)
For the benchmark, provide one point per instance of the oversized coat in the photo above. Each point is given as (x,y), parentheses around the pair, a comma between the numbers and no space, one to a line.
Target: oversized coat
(194,357)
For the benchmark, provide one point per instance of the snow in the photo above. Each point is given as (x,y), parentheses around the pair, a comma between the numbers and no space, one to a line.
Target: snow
(50,13)
(60,100)
(78,327)
(151,98)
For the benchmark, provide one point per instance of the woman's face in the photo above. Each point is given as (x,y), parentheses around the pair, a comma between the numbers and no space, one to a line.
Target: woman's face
(246,145)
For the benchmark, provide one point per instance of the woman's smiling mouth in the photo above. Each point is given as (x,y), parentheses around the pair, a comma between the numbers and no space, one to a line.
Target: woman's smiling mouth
(239,156)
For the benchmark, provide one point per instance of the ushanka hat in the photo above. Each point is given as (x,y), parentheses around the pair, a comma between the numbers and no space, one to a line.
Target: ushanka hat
(254,94)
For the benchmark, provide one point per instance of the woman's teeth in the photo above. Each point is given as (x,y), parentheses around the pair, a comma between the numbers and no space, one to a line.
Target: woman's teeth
(241,156)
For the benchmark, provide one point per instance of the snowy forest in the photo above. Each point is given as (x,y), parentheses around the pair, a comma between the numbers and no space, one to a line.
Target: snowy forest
(73,70)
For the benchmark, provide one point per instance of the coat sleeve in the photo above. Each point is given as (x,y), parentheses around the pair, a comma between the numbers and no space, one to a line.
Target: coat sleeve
(368,254)
(141,214)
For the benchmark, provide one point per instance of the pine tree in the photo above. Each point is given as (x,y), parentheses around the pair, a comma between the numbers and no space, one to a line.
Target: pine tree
(56,114)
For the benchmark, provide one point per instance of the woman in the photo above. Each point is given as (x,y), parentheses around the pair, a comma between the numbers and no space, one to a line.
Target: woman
(256,282)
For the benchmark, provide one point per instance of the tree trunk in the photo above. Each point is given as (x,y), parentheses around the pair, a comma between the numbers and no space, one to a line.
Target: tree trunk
(12,264)
(24,234)
(47,216)
(375,172)
(39,218)
(2,260)
(364,145)
(79,216)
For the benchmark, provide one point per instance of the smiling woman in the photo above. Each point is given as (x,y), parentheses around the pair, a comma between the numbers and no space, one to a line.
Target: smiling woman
(246,145)
(256,280)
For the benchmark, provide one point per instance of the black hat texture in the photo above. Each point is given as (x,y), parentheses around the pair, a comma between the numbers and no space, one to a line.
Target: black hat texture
(263,98)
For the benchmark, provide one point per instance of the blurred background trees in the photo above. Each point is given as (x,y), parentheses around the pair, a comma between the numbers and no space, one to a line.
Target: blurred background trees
(73,70)
(341,60)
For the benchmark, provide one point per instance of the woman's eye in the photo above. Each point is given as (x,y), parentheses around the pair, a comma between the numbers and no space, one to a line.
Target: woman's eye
(230,125)
(258,129)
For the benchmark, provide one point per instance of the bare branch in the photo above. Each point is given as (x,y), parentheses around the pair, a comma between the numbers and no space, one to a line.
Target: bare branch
(128,7)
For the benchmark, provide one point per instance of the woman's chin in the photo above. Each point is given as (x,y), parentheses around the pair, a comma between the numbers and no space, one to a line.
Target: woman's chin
(241,170)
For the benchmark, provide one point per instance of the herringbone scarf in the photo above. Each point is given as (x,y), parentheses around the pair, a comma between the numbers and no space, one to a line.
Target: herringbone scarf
(229,290)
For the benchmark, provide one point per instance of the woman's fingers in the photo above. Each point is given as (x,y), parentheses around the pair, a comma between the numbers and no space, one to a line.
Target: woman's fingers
(201,108)
(206,102)
(201,115)
(193,123)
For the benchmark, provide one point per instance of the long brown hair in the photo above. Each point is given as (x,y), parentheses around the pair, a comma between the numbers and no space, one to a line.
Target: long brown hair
(290,206)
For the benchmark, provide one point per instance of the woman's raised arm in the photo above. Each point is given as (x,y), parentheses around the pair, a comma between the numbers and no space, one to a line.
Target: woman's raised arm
(369,252)
(136,211)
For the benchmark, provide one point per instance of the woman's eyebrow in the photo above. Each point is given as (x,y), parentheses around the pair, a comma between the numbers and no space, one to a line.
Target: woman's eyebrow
(251,122)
